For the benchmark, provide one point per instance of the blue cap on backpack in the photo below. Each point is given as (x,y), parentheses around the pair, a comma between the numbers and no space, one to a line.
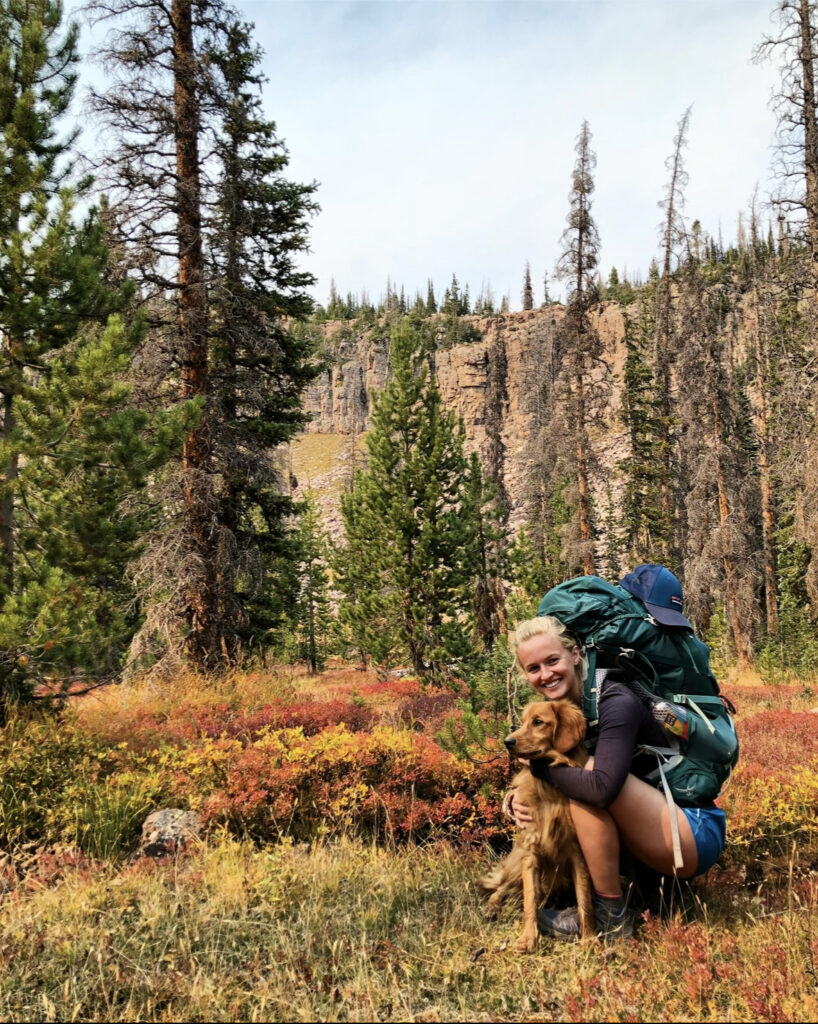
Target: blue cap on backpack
(659,590)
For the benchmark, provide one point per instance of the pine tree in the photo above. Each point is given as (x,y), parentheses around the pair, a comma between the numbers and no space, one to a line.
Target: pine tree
(405,521)
(491,543)
(760,331)
(229,230)
(72,446)
(155,175)
(367,610)
(452,300)
(51,270)
(721,498)
(255,228)
(86,453)
(577,266)
(664,346)
(528,290)
(796,107)
(645,524)
(431,304)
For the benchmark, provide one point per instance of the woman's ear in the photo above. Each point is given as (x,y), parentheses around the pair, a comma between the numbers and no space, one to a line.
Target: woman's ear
(576,654)
(571,726)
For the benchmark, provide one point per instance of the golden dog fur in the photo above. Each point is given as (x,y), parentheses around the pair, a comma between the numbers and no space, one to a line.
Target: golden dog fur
(546,854)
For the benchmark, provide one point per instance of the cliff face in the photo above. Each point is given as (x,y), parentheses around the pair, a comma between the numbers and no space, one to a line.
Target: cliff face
(494,383)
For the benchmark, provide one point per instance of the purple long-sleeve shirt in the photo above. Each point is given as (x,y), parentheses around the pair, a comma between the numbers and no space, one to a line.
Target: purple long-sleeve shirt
(624,722)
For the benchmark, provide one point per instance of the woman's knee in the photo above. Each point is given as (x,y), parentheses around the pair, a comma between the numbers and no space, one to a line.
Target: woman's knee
(642,816)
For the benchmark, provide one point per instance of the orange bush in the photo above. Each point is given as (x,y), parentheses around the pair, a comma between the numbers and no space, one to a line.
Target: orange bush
(384,783)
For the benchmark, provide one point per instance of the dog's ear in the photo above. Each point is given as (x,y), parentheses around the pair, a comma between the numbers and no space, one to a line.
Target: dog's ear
(570,726)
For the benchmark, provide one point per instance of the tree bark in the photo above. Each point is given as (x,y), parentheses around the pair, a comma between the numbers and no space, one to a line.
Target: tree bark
(764,473)
(741,643)
(810,126)
(7,501)
(203,642)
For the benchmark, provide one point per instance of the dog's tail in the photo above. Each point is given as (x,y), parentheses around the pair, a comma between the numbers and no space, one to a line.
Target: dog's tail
(491,882)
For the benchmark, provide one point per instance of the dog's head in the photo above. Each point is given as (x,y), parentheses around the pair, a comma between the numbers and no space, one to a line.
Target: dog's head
(546,727)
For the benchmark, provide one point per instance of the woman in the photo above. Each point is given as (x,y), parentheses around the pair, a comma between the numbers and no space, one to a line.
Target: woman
(611,805)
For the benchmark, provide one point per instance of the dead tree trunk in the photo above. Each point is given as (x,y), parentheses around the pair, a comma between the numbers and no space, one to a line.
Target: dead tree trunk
(662,356)
(807,60)
(741,643)
(203,641)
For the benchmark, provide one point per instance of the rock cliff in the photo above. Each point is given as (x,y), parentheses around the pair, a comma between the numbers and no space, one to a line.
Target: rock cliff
(494,383)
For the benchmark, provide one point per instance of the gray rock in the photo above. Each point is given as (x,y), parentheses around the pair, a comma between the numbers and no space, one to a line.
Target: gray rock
(168,831)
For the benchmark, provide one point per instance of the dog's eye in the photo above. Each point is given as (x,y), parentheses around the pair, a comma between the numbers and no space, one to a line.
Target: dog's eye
(538,721)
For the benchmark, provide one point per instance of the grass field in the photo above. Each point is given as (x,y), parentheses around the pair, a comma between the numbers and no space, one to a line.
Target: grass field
(336,877)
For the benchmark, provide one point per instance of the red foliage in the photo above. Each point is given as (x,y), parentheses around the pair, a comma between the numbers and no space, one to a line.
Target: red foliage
(383,783)
(776,740)
(428,710)
(188,723)
(48,867)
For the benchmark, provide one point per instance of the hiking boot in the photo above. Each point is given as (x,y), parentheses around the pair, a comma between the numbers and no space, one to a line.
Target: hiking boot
(612,920)
(559,924)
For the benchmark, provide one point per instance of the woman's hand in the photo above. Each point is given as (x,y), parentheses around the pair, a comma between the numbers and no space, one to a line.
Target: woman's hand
(514,808)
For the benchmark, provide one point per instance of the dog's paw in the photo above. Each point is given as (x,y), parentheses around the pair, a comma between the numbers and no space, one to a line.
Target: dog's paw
(525,944)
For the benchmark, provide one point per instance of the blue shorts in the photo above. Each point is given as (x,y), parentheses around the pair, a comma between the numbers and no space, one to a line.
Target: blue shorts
(709,829)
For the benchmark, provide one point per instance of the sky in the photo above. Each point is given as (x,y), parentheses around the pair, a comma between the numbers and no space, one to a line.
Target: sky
(442,132)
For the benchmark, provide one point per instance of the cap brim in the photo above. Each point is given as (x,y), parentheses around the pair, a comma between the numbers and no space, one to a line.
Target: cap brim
(668,617)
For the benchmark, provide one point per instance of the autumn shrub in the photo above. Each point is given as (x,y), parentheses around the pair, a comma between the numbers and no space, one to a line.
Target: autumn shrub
(773,796)
(380,691)
(60,785)
(413,767)
(41,763)
(427,711)
(190,723)
(748,699)
(386,783)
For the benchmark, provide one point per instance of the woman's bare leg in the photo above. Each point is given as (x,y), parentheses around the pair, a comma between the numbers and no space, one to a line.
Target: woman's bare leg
(642,817)
(599,839)
(639,818)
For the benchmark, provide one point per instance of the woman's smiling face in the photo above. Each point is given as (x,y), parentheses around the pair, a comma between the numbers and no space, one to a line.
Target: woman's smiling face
(550,668)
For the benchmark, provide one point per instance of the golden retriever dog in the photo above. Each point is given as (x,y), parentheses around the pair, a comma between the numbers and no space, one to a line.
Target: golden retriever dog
(546,854)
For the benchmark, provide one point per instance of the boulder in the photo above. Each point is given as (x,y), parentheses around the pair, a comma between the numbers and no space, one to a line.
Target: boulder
(168,831)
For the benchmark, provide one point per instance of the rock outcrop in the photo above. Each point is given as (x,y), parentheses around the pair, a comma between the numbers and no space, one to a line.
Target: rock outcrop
(494,383)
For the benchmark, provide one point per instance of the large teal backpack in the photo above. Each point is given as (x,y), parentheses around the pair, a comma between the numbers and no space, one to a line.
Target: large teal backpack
(668,668)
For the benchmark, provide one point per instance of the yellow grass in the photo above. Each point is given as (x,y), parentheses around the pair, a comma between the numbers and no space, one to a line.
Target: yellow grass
(353,932)
(315,457)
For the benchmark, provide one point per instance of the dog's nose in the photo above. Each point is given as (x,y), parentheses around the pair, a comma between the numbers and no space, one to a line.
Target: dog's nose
(510,742)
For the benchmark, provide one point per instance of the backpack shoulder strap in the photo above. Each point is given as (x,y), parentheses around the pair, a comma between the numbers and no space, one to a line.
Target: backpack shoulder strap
(591,696)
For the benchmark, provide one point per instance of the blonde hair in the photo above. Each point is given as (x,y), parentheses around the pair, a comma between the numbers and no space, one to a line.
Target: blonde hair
(546,625)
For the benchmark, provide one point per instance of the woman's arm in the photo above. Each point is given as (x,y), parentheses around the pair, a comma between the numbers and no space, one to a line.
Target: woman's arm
(620,717)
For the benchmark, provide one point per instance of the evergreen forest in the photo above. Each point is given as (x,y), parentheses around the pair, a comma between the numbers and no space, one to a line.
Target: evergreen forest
(158,336)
